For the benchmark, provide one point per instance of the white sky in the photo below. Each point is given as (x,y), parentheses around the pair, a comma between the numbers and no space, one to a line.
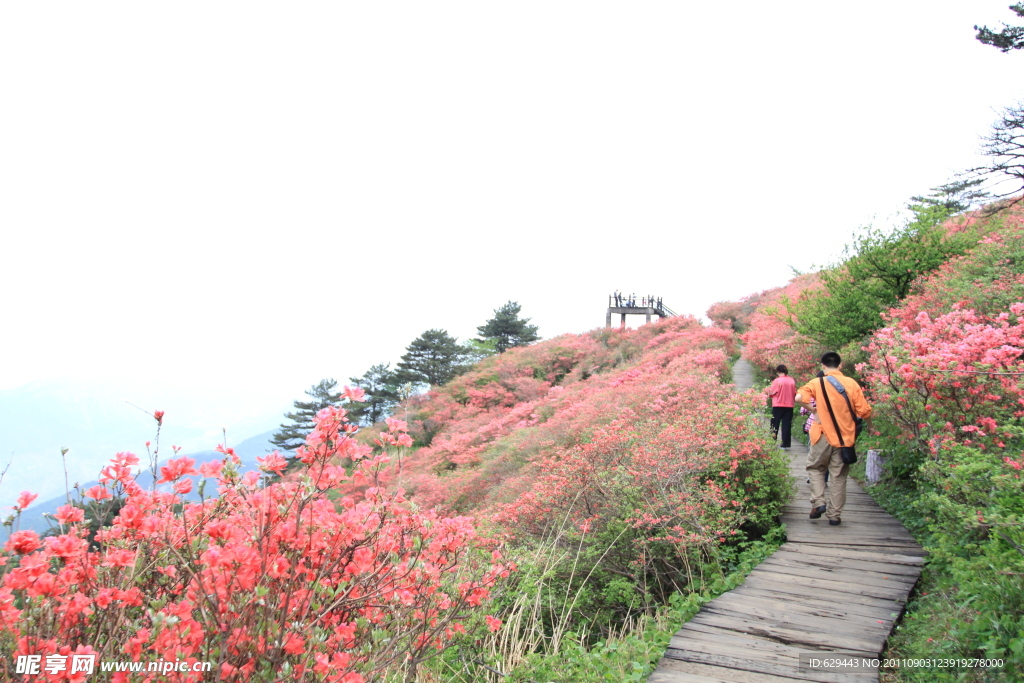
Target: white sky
(239,199)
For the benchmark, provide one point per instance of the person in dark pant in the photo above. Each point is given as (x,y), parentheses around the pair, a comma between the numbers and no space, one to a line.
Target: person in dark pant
(782,392)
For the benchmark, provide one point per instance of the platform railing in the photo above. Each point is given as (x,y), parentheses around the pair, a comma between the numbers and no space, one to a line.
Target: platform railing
(632,301)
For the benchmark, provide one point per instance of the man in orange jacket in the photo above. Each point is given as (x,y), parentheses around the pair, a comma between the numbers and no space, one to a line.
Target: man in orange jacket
(824,454)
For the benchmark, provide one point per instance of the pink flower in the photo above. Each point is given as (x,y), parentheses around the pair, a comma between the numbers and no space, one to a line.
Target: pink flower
(212,468)
(492,623)
(159,417)
(25,499)
(355,394)
(98,493)
(272,463)
(66,546)
(119,557)
(183,487)
(176,469)
(229,452)
(23,542)
(125,459)
(68,514)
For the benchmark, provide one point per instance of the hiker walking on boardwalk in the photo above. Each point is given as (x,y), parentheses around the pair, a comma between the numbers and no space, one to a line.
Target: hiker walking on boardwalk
(782,392)
(838,400)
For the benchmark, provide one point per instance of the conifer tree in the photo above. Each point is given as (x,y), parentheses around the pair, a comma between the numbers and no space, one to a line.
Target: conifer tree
(292,435)
(507,329)
(433,358)
(383,392)
(1010,38)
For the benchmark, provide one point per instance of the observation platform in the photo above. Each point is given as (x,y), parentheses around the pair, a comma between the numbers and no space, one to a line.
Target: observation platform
(625,305)
(827,591)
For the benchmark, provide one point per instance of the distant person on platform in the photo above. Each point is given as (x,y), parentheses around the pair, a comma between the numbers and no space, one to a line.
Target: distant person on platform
(824,455)
(782,392)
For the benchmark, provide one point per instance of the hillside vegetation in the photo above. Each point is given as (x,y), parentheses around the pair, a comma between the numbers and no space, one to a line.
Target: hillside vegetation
(549,515)
(944,368)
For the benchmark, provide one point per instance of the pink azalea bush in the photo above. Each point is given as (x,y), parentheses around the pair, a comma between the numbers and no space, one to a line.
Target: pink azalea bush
(946,375)
(951,376)
(278,582)
(624,443)
(771,338)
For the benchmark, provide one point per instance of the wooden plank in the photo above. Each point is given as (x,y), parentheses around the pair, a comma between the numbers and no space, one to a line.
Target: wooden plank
(806,609)
(914,558)
(849,527)
(839,574)
(841,587)
(852,625)
(810,638)
(785,669)
(883,611)
(694,631)
(720,672)
(836,566)
(874,545)
(846,530)
(908,572)
(760,580)
(843,573)
(753,659)
(758,658)
(705,637)
(677,677)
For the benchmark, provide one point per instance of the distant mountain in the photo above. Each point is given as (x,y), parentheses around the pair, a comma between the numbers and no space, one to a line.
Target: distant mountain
(247,451)
(95,420)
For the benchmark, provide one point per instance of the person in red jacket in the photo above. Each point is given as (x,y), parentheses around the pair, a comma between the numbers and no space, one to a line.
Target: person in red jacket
(782,392)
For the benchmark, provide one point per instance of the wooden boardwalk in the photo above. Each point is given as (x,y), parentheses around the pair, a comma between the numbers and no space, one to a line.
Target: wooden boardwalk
(826,590)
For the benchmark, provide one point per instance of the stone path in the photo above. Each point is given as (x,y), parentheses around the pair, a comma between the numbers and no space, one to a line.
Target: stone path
(826,590)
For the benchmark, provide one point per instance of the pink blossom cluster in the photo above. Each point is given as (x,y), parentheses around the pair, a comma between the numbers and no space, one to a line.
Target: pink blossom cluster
(951,376)
(590,430)
(265,581)
(770,338)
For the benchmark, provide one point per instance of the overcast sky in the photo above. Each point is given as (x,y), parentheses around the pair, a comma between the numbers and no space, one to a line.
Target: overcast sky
(235,200)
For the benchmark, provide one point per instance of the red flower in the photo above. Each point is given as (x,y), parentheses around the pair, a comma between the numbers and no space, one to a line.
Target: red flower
(23,542)
(119,558)
(25,499)
(272,463)
(176,469)
(98,493)
(69,514)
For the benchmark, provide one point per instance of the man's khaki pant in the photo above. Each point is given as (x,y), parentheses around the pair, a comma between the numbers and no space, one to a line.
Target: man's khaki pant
(824,456)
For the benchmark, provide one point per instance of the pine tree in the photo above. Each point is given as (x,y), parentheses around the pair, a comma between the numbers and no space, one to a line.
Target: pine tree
(292,435)
(507,329)
(433,358)
(1010,38)
(956,196)
(383,392)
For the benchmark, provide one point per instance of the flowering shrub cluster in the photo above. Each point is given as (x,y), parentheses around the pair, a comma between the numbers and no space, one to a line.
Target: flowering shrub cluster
(277,582)
(624,443)
(771,338)
(954,377)
(946,374)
